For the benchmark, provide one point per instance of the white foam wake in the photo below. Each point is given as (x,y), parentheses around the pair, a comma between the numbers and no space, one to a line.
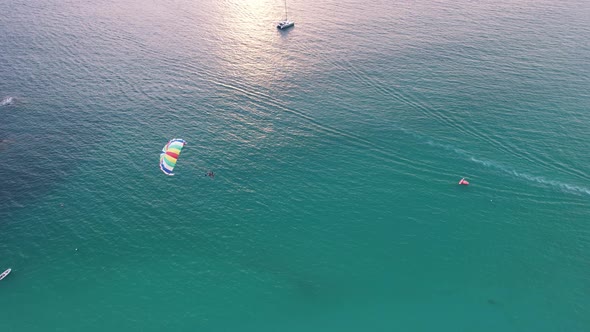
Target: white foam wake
(508,170)
(7,101)
(533,178)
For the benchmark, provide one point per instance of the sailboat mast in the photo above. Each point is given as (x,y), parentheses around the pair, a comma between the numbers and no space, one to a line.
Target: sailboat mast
(286,10)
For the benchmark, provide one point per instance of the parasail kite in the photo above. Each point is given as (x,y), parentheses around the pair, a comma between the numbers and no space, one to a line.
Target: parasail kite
(169,155)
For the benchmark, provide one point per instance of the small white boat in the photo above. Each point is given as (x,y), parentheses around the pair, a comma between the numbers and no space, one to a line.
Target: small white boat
(4,274)
(284,24)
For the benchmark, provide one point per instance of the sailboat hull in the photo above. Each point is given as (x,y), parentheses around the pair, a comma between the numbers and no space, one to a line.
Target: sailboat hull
(285,24)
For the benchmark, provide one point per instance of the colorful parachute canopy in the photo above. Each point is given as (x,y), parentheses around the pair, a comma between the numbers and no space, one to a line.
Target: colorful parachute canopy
(169,155)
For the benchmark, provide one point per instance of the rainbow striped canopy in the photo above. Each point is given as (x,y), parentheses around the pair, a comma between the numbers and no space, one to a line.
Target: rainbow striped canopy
(169,155)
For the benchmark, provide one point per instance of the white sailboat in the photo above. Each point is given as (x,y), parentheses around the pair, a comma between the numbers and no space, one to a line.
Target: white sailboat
(284,24)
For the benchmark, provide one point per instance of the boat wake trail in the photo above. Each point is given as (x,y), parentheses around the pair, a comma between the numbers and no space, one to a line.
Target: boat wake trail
(533,178)
(270,103)
(565,187)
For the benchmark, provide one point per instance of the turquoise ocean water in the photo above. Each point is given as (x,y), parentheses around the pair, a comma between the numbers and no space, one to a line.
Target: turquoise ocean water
(337,147)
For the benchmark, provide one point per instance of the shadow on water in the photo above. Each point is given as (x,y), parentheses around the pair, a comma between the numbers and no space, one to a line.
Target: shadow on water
(4,143)
(285,33)
(283,274)
(40,149)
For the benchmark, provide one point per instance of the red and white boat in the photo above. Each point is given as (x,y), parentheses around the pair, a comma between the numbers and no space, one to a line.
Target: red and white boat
(464,182)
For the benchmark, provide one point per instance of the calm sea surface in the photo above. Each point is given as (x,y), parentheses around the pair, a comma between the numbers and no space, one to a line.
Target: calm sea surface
(337,147)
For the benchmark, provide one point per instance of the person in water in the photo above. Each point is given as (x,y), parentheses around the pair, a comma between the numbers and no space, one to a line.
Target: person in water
(210,174)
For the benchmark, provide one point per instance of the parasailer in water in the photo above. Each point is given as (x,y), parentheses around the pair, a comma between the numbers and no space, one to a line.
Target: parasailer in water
(169,155)
(464,182)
